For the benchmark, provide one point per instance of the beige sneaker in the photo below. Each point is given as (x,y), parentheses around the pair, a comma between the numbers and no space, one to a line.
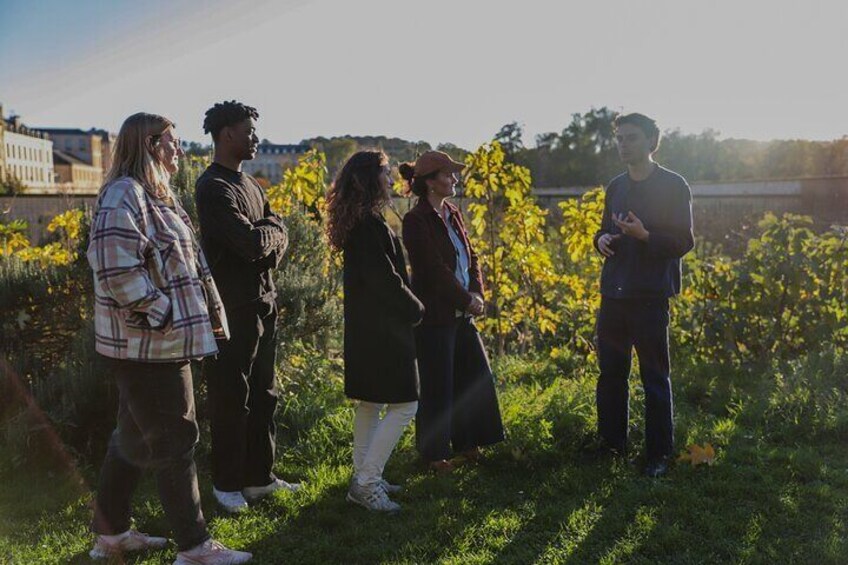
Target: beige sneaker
(212,552)
(106,547)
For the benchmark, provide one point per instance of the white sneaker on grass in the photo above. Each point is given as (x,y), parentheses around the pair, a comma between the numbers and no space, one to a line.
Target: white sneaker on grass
(255,493)
(212,552)
(106,547)
(387,486)
(372,497)
(231,501)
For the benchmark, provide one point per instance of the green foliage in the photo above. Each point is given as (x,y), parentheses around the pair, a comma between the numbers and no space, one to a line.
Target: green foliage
(807,397)
(308,286)
(775,494)
(12,185)
(182,183)
(339,149)
(13,237)
(508,233)
(303,185)
(584,154)
(309,280)
(786,296)
(580,267)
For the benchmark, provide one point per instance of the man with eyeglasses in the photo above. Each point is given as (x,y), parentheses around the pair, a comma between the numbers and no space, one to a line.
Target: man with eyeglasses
(646,229)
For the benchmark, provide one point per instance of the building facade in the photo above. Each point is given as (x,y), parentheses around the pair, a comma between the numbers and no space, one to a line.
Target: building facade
(27,156)
(107,147)
(272,160)
(74,176)
(82,157)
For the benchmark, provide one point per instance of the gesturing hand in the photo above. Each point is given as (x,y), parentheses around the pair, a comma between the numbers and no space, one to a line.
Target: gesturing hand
(605,244)
(630,225)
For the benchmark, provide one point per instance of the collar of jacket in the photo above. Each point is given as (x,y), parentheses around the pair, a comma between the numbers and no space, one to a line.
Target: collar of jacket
(425,208)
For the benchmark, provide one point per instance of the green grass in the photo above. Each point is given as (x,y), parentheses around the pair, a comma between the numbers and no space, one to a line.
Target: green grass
(777,493)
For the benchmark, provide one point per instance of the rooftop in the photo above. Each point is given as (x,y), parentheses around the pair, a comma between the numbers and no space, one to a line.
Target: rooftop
(62,158)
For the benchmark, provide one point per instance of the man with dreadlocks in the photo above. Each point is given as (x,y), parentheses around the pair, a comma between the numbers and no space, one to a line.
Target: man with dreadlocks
(244,241)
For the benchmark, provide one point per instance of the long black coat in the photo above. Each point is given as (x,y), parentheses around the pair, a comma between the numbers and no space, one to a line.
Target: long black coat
(379,312)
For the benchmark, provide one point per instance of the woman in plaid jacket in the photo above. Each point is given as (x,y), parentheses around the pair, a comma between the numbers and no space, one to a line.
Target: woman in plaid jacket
(156,309)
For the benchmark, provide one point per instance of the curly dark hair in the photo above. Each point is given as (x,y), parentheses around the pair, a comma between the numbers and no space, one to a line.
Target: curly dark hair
(355,193)
(224,114)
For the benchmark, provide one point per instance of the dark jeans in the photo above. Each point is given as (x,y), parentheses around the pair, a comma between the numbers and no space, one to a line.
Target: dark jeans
(458,405)
(622,325)
(156,430)
(242,396)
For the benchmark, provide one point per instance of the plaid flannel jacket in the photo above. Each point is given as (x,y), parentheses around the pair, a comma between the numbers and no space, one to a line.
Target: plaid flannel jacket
(154,297)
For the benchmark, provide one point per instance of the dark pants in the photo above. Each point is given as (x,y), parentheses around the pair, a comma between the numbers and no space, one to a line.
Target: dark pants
(458,405)
(242,396)
(157,430)
(622,325)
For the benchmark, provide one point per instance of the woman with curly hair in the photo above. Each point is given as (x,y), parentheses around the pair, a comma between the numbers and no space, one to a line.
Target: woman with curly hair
(379,313)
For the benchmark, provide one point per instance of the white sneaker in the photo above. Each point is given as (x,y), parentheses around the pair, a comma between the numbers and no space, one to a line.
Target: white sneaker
(212,552)
(372,497)
(233,502)
(255,493)
(387,486)
(131,540)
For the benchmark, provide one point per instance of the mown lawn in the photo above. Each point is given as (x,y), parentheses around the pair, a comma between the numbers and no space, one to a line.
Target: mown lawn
(777,492)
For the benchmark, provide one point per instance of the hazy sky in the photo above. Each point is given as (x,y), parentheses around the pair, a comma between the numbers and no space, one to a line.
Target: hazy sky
(434,70)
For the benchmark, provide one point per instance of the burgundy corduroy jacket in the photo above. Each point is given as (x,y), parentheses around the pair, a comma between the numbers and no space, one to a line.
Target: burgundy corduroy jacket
(433,260)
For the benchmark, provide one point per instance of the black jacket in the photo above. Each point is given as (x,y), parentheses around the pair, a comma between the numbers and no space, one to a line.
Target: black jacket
(242,238)
(647,269)
(379,312)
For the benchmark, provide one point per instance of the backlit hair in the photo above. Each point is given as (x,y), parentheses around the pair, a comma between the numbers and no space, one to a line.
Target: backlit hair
(133,156)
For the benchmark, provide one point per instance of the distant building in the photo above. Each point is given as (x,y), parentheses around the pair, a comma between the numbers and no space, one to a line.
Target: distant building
(107,147)
(26,154)
(74,176)
(82,154)
(272,159)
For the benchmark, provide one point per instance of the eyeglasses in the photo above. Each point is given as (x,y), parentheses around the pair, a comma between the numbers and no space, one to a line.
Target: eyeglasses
(176,141)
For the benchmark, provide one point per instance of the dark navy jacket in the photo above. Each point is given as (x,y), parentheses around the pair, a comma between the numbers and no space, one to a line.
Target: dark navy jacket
(648,269)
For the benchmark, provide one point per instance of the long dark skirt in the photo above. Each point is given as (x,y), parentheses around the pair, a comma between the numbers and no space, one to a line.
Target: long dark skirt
(458,406)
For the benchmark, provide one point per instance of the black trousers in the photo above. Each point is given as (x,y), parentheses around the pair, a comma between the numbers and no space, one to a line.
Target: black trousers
(622,325)
(242,397)
(156,430)
(458,405)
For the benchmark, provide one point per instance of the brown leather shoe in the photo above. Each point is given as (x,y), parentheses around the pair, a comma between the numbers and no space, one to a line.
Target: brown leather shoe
(473,455)
(442,466)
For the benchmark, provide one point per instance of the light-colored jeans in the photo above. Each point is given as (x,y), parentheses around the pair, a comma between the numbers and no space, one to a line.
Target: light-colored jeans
(374,438)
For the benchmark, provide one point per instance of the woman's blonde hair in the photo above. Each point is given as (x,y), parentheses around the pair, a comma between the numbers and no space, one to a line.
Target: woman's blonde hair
(133,158)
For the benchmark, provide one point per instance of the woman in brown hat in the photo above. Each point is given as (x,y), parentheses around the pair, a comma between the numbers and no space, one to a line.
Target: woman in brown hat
(458,408)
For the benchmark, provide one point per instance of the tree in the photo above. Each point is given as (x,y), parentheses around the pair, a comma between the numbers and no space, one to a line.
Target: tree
(510,137)
(456,153)
(508,232)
